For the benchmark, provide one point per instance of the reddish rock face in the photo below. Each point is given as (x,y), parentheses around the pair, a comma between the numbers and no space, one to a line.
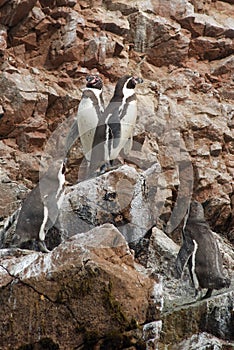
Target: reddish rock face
(163,41)
(84,291)
(13,12)
(184,52)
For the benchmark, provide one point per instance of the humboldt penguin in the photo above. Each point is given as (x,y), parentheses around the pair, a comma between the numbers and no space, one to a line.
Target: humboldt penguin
(90,108)
(115,130)
(40,208)
(201,253)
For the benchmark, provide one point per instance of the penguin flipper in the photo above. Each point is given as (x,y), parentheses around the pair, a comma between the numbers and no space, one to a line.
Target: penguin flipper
(115,133)
(98,156)
(115,127)
(182,258)
(72,136)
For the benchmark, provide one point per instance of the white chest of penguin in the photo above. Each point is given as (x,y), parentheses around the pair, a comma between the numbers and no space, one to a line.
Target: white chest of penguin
(128,115)
(87,116)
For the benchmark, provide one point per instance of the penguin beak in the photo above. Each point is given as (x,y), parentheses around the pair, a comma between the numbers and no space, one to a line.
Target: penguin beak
(137,80)
(91,79)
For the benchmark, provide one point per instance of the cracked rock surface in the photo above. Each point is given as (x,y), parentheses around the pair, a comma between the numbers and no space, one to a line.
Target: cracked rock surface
(79,296)
(86,290)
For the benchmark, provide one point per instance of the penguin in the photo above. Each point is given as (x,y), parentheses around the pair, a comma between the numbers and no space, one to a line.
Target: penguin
(201,253)
(89,112)
(40,209)
(115,130)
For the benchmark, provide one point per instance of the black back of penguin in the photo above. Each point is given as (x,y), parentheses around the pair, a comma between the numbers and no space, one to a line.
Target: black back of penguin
(201,252)
(116,126)
(40,208)
(121,119)
(89,112)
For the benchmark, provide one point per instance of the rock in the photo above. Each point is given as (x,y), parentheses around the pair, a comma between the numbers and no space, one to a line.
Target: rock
(65,41)
(151,333)
(203,339)
(207,48)
(90,282)
(161,245)
(223,66)
(215,149)
(2,2)
(31,99)
(217,211)
(13,12)
(11,195)
(211,316)
(124,197)
(121,5)
(26,27)
(204,25)
(161,39)
(172,9)
(184,52)
(230,1)
(112,21)
(3,38)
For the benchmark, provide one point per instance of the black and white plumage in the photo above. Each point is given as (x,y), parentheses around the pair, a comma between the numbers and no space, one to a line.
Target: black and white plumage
(201,252)
(89,112)
(115,130)
(40,208)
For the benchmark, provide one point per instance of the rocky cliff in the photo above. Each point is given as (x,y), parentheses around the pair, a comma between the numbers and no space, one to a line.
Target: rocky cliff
(93,291)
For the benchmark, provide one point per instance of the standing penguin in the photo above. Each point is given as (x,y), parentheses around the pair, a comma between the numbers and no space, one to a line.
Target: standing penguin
(115,130)
(40,209)
(89,112)
(200,251)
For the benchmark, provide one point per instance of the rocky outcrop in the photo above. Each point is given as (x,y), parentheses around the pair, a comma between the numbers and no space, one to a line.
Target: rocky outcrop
(123,197)
(183,145)
(91,287)
(213,317)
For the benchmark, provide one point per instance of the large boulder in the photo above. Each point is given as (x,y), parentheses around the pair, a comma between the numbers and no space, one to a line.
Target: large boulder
(87,291)
(124,197)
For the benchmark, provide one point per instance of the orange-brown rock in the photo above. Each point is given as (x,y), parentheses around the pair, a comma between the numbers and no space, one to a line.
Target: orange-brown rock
(183,49)
(13,11)
(86,292)
(162,40)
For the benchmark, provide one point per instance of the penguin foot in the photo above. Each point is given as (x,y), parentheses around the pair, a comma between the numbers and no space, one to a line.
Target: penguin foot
(208,294)
(42,247)
(105,167)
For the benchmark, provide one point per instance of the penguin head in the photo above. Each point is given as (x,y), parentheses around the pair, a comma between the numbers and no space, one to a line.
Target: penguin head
(196,211)
(126,83)
(94,82)
(133,81)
